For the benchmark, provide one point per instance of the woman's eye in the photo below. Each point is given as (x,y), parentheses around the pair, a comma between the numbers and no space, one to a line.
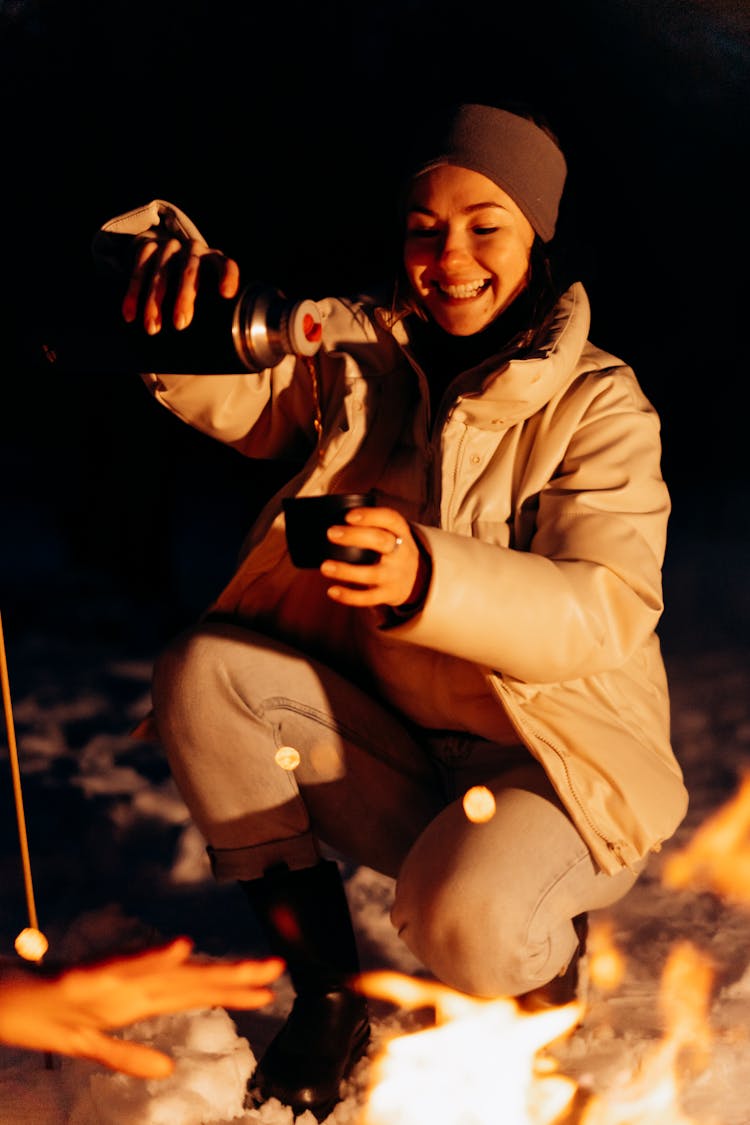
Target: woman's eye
(422,232)
(485,230)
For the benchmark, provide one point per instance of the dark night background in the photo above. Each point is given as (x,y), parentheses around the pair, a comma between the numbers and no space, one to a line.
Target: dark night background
(279,129)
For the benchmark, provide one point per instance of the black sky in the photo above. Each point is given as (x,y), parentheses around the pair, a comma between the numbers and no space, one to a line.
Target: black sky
(279,128)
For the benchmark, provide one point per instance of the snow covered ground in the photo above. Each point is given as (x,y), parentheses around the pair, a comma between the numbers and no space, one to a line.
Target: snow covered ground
(116,863)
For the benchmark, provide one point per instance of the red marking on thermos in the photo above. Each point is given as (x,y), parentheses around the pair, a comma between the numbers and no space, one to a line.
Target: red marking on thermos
(311,328)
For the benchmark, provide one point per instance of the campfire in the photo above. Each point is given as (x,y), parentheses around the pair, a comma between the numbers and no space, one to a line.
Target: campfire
(485,1062)
(718,856)
(481,1059)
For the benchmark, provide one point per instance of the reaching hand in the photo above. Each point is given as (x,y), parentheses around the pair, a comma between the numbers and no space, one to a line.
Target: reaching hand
(69,1013)
(156,261)
(395,579)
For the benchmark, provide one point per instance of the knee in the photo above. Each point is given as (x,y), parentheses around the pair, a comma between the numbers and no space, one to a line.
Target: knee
(183,673)
(479,947)
(173,668)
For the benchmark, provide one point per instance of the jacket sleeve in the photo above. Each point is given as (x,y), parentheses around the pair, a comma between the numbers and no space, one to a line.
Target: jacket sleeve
(588,590)
(158,216)
(264,415)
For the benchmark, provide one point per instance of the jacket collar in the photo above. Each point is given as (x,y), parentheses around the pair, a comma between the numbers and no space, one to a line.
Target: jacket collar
(515,390)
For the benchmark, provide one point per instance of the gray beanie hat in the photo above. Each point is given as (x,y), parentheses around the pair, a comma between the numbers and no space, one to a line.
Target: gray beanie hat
(510,150)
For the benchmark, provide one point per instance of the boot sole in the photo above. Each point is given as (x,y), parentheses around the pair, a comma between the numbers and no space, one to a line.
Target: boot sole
(359,1049)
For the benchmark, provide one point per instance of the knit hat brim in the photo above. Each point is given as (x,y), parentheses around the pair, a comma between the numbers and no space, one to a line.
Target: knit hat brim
(511,151)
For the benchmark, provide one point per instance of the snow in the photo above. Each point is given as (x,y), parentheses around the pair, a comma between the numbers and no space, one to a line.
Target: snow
(116,864)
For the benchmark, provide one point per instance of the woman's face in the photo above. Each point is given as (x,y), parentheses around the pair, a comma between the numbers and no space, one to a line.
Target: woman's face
(466,248)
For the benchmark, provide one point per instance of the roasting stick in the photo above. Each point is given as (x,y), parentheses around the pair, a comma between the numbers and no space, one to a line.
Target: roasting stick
(31,944)
(17,793)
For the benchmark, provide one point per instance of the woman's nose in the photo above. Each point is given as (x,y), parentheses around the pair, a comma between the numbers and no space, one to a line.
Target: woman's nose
(452,246)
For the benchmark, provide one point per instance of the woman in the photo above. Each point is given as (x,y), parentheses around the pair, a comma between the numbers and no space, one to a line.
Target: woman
(505,637)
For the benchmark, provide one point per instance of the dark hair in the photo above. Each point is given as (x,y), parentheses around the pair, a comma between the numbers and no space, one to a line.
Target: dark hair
(543,291)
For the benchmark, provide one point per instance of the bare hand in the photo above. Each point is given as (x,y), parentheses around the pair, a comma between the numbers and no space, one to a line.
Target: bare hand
(68,1013)
(391,580)
(156,261)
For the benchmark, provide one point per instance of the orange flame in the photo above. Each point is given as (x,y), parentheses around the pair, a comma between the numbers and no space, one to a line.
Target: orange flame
(718,856)
(606,965)
(651,1095)
(487,1060)
(479,1061)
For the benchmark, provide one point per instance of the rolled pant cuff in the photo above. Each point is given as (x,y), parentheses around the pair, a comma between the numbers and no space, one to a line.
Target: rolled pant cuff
(231,864)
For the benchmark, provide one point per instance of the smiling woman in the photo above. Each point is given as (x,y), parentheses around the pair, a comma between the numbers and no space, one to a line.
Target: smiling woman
(499,638)
(467,248)
(474,211)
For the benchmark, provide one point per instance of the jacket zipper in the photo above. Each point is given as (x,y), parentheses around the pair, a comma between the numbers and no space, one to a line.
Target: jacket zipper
(428,435)
(533,734)
(457,461)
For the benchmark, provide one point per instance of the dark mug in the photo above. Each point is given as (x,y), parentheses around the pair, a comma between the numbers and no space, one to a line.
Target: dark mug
(307,521)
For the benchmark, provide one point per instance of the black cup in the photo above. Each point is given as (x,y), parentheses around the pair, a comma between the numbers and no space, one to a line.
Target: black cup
(307,521)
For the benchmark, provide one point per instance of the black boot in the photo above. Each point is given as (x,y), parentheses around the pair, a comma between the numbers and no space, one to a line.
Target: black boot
(305,915)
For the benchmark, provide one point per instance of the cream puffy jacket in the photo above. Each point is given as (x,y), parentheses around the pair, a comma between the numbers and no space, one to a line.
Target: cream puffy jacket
(543,509)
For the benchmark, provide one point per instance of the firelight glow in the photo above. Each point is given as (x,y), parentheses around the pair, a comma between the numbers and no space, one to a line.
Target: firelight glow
(718,856)
(651,1096)
(452,1072)
(287,757)
(606,964)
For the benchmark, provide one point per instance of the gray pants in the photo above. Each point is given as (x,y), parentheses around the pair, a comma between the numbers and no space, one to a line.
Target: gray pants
(486,907)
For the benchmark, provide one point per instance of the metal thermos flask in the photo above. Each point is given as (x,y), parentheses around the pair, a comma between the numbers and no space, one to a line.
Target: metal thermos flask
(250,332)
(254,331)
(266,326)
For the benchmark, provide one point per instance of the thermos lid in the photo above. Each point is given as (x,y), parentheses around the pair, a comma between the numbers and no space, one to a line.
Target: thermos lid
(305,328)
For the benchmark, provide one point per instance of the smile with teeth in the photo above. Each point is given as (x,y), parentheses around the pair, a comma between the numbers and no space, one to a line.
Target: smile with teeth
(463,291)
